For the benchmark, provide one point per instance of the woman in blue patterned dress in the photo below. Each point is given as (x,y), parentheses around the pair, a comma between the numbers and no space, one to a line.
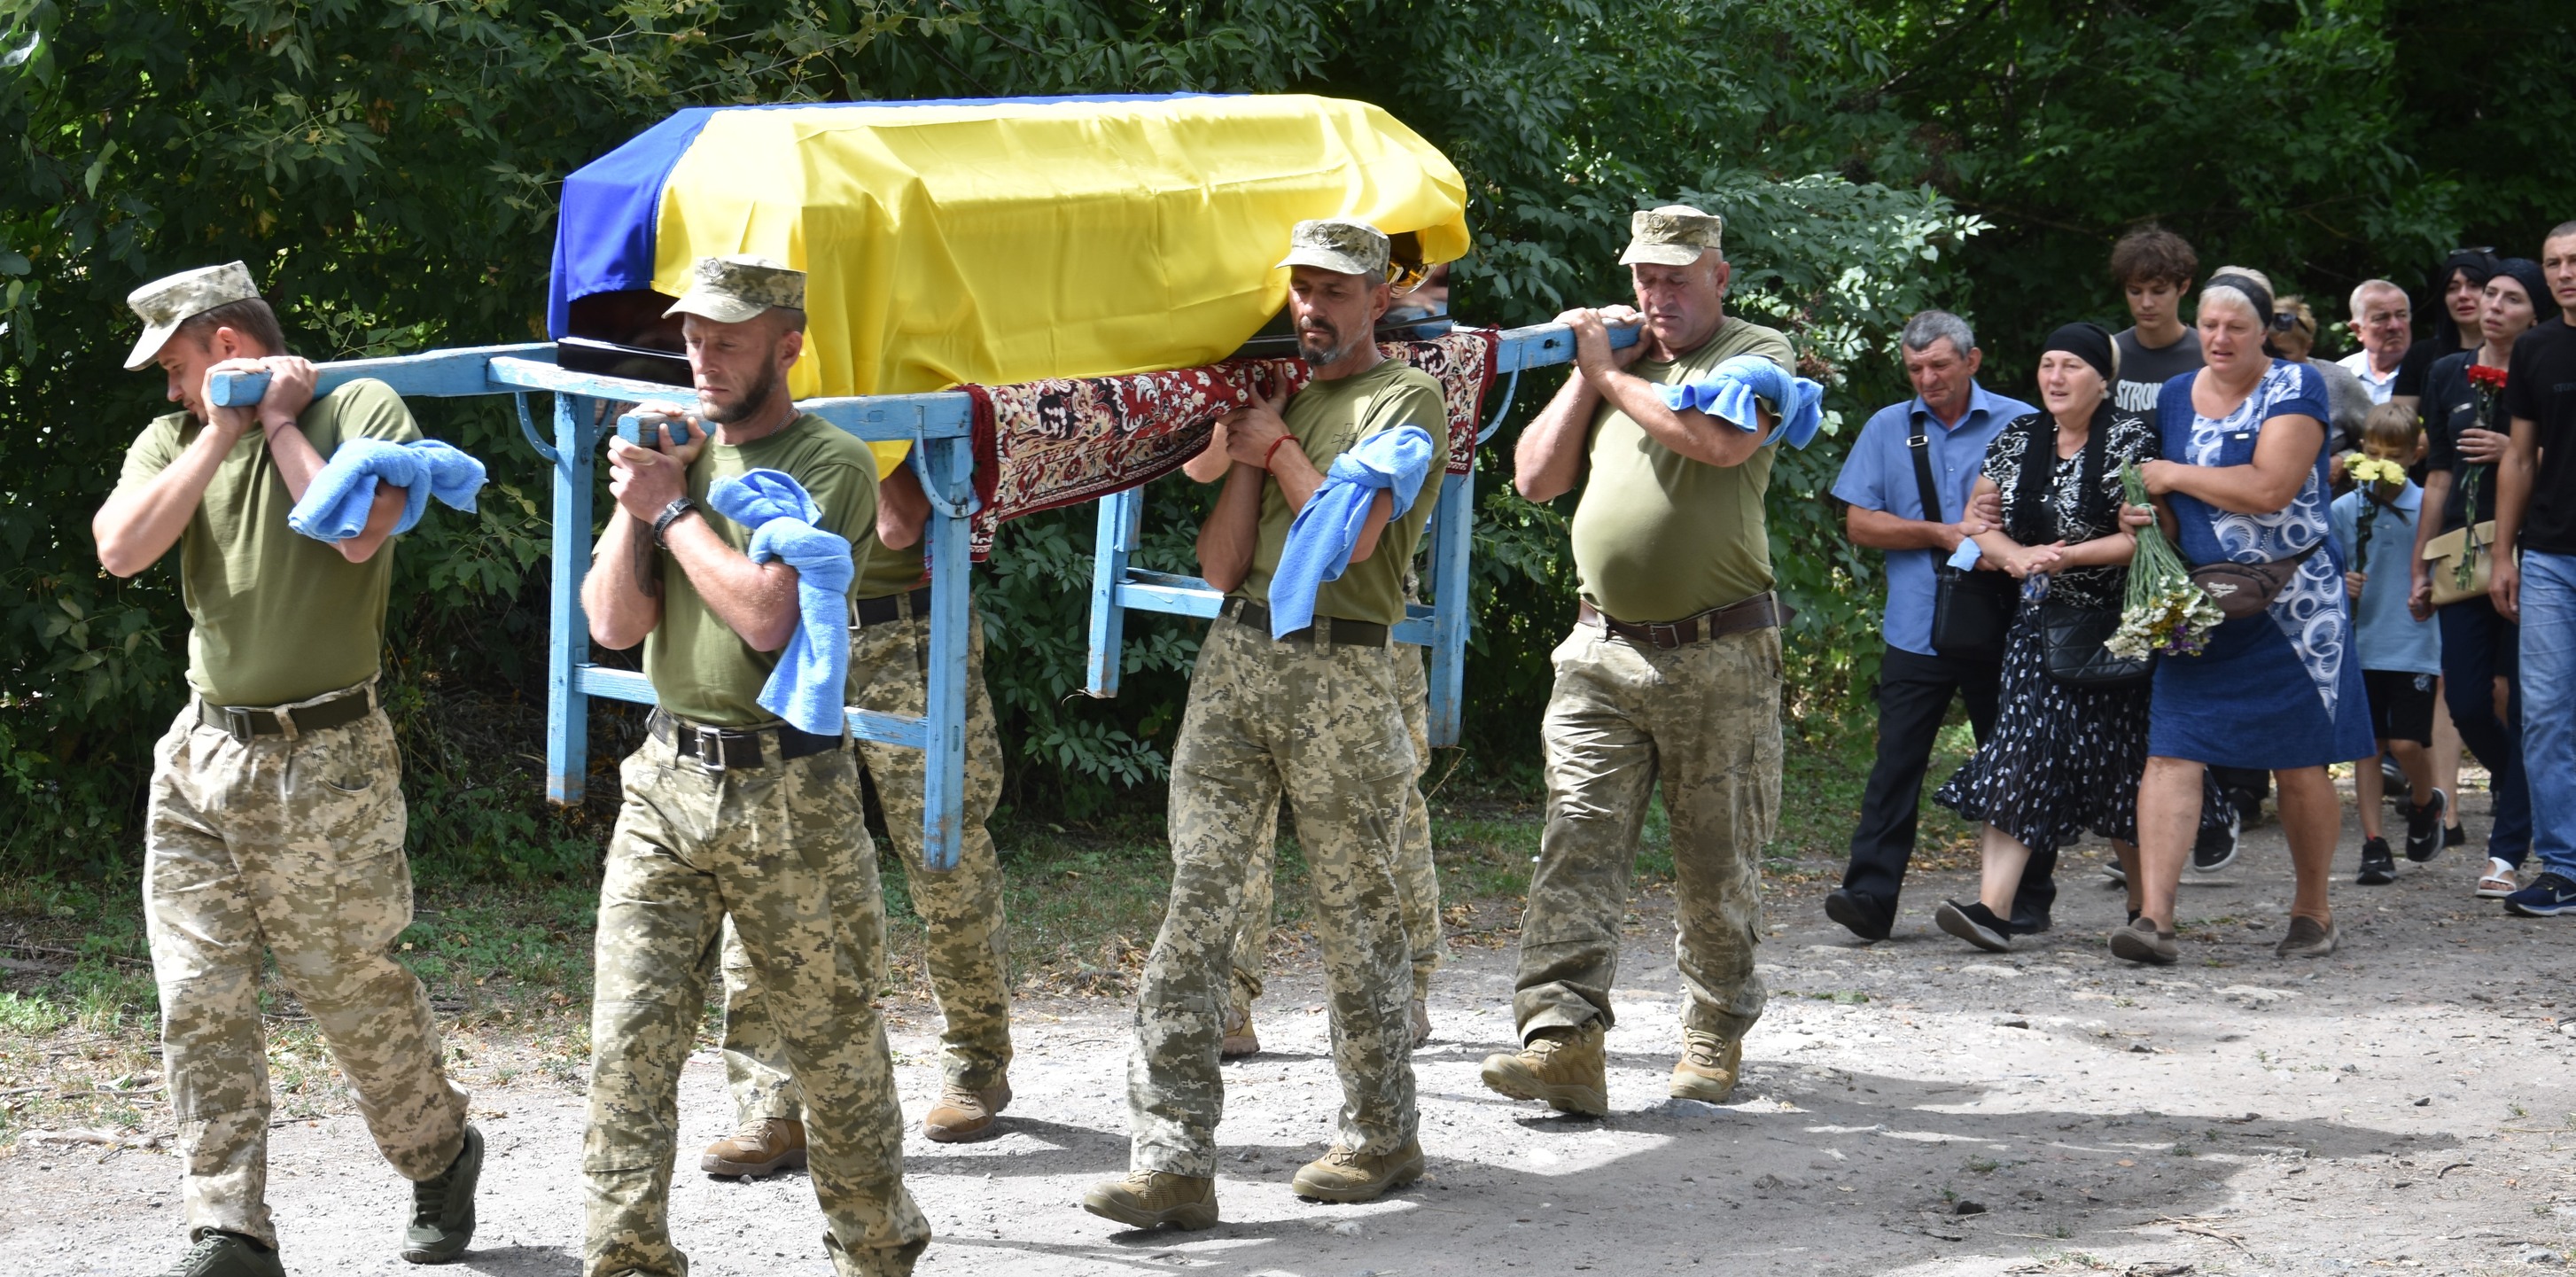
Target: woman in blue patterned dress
(2245,481)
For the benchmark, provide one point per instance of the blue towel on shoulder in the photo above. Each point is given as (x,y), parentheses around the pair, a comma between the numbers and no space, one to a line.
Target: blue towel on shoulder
(1729,393)
(1322,536)
(335,507)
(807,688)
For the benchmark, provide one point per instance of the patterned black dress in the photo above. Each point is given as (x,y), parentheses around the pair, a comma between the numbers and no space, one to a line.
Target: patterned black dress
(2061,759)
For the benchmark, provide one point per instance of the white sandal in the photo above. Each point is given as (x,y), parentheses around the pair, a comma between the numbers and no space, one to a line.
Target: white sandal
(2499,881)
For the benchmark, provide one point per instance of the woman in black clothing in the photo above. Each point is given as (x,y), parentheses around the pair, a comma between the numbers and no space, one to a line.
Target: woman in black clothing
(2454,297)
(2478,646)
(2060,759)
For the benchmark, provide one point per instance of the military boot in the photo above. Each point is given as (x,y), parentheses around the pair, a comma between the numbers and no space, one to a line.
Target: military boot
(1345,1176)
(1561,1066)
(1146,1199)
(220,1254)
(1707,1068)
(761,1148)
(442,1208)
(1240,1040)
(962,1114)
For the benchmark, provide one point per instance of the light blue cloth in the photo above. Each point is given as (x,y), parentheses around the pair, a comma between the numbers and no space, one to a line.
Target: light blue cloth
(336,506)
(1320,540)
(1878,474)
(1730,390)
(808,685)
(2389,635)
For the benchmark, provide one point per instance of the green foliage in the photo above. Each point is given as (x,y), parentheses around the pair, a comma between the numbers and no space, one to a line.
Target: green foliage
(389,170)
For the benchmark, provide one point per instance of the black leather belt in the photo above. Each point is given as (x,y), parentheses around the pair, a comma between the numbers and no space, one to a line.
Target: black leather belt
(1342,633)
(892,607)
(1760,612)
(725,749)
(241,722)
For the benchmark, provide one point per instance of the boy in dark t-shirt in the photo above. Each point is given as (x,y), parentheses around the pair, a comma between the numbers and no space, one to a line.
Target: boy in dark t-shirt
(2154,268)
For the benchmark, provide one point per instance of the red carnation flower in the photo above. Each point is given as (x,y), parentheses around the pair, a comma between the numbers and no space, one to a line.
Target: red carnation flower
(2486,378)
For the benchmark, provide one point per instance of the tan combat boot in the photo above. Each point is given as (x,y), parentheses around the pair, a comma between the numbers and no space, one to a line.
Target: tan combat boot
(1146,1199)
(760,1148)
(1707,1068)
(1561,1066)
(1240,1040)
(1345,1176)
(962,1115)
(1421,1023)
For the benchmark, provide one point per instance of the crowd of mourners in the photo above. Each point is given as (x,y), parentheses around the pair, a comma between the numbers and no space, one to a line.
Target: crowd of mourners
(2409,532)
(772,577)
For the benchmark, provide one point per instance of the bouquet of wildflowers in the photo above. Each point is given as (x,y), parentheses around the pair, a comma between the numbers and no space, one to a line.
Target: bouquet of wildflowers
(2487,384)
(2166,611)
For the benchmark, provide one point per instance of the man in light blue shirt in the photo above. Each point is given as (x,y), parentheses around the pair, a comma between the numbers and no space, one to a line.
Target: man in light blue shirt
(1953,419)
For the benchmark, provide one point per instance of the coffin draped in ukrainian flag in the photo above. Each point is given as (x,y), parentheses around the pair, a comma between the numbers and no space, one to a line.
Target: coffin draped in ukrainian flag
(1003,240)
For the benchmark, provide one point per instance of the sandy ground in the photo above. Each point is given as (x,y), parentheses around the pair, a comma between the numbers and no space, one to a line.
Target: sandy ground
(1910,1107)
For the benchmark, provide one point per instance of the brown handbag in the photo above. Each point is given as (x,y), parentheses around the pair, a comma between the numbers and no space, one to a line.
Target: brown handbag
(2242,589)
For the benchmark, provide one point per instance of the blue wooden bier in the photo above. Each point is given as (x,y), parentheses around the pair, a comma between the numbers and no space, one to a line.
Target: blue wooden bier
(938,427)
(1118,588)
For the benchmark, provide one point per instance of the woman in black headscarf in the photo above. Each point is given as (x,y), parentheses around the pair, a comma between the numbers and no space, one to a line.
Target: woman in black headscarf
(2454,296)
(2061,759)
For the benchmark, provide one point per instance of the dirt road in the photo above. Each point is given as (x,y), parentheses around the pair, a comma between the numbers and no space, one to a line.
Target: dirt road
(1910,1107)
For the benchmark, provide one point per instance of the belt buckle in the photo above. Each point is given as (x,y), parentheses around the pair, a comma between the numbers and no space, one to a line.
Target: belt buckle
(237,723)
(711,748)
(1664,634)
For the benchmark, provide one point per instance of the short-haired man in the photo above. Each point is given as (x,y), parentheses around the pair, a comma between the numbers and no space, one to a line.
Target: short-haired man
(2384,322)
(1318,713)
(2154,268)
(1932,447)
(275,816)
(1672,675)
(731,815)
(964,943)
(2536,514)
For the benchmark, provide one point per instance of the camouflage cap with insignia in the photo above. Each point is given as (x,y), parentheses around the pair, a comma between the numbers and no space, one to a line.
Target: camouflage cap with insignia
(166,303)
(739,286)
(1674,235)
(1338,244)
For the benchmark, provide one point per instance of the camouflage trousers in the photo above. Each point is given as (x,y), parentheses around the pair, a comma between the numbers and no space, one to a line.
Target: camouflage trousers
(964,940)
(1417,878)
(1702,720)
(779,850)
(1325,725)
(295,846)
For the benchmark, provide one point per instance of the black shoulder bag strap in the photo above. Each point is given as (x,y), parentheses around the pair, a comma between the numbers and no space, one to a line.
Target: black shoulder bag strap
(1920,444)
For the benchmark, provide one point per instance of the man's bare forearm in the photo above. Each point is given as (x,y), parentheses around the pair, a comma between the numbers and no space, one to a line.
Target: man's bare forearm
(2513,485)
(621,613)
(1550,452)
(903,509)
(1688,432)
(1880,530)
(134,530)
(755,600)
(1227,539)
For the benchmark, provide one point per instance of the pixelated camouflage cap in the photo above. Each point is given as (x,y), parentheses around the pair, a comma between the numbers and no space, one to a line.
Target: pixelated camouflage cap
(738,286)
(1674,235)
(166,303)
(1338,244)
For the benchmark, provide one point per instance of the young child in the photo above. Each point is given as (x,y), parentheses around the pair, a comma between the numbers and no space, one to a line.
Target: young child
(2401,657)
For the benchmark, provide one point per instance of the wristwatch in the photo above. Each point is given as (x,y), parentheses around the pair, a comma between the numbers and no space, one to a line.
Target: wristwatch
(670,514)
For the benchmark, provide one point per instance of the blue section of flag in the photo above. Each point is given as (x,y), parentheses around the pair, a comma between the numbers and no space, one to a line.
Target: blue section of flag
(605,229)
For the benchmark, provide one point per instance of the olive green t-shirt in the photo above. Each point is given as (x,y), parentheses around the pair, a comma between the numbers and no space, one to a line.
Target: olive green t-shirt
(1329,418)
(700,669)
(1658,536)
(275,616)
(887,572)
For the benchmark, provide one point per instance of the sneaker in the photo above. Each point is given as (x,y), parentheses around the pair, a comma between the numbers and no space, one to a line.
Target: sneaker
(2141,942)
(2113,875)
(2548,896)
(2392,778)
(2424,828)
(2308,938)
(221,1254)
(1974,923)
(1345,1176)
(2378,866)
(442,1209)
(962,1114)
(1149,1199)
(1860,915)
(1239,1040)
(1561,1066)
(760,1149)
(2499,881)
(2453,835)
(2029,924)
(1708,1067)
(1420,1014)
(2215,848)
